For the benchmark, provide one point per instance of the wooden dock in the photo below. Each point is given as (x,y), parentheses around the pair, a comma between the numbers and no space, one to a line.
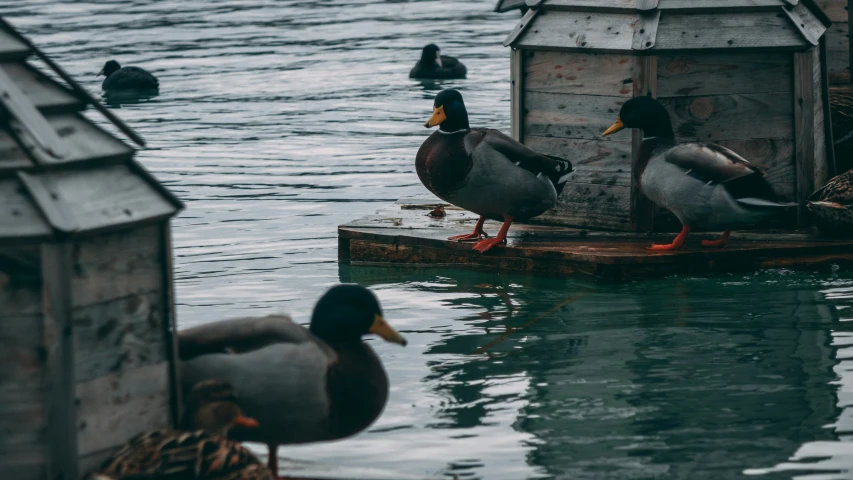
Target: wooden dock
(406,234)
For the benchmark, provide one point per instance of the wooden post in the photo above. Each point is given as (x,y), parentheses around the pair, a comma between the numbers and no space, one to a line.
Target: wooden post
(831,168)
(645,82)
(849,41)
(516,72)
(169,326)
(61,392)
(804,146)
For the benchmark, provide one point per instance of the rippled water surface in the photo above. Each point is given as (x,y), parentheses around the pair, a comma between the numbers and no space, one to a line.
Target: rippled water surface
(279,120)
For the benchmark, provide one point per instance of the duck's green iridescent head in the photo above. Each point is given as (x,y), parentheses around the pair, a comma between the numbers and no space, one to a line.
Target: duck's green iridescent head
(448,112)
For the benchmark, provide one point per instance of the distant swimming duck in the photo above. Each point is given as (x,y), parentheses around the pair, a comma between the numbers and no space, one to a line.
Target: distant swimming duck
(127,78)
(200,450)
(485,171)
(832,205)
(301,385)
(707,186)
(435,65)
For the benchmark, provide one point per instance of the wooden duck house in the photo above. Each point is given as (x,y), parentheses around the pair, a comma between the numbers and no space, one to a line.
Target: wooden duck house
(747,74)
(86,311)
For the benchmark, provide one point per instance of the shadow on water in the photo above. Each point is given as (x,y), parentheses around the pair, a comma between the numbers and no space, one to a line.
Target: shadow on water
(678,378)
(118,99)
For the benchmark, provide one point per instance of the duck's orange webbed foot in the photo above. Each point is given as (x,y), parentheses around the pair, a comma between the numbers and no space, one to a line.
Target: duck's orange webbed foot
(477,234)
(675,245)
(718,243)
(486,245)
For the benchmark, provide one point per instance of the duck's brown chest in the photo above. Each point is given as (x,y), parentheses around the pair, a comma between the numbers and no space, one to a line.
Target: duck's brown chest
(443,163)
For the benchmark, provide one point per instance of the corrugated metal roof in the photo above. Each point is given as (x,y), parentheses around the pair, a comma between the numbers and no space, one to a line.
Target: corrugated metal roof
(669,25)
(60,174)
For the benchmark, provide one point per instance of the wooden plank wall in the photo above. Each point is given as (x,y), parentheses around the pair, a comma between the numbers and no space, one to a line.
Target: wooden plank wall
(23,417)
(121,356)
(837,43)
(569,100)
(733,99)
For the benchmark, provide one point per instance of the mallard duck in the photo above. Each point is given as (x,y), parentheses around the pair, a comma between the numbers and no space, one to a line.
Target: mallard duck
(199,451)
(485,171)
(302,385)
(127,78)
(707,186)
(832,205)
(435,65)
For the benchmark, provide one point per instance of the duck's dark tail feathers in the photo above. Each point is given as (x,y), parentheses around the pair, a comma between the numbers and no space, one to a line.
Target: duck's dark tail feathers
(563,170)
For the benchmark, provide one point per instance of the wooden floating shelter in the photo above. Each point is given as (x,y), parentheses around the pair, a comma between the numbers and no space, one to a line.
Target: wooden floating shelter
(748,74)
(86,295)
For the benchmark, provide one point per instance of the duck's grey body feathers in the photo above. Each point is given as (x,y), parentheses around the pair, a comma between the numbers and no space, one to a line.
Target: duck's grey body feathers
(708,186)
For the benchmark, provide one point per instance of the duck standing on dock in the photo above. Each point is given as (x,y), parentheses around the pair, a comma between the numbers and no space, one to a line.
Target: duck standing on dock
(302,385)
(485,171)
(832,205)
(707,186)
(127,78)
(200,450)
(437,66)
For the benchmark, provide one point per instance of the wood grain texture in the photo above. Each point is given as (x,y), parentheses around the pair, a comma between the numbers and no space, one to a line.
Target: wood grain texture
(836,10)
(838,52)
(81,139)
(601,207)
(569,116)
(19,217)
(821,165)
(579,73)
(806,22)
(517,80)
(115,407)
(520,27)
(642,210)
(117,265)
(23,445)
(716,74)
(580,31)
(727,32)
(59,397)
(717,6)
(601,161)
(645,31)
(804,126)
(12,157)
(729,117)
(118,335)
(45,94)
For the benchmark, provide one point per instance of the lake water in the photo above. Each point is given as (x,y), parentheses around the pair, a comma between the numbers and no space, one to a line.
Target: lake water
(278,120)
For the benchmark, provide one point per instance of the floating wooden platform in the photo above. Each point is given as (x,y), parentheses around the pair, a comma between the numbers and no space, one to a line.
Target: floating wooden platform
(405,234)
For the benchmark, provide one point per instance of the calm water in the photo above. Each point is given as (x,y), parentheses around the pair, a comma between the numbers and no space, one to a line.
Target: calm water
(277,121)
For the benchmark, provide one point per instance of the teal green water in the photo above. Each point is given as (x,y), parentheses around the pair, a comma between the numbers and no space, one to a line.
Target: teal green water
(277,121)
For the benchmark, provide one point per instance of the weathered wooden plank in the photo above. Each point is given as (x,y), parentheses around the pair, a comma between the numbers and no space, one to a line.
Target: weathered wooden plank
(716,74)
(806,22)
(19,217)
(11,48)
(667,6)
(52,205)
(729,117)
(838,52)
(59,362)
(601,161)
(23,445)
(579,73)
(580,31)
(642,210)
(44,93)
(645,32)
(821,164)
(169,323)
(569,116)
(116,265)
(516,69)
(602,207)
(804,125)
(12,157)
(82,140)
(21,346)
(836,10)
(507,5)
(25,119)
(645,4)
(108,197)
(119,335)
(520,27)
(681,32)
(116,407)
(20,280)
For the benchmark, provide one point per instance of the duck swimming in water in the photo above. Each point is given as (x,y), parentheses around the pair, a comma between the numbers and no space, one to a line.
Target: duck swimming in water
(485,171)
(127,78)
(437,66)
(707,186)
(302,385)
